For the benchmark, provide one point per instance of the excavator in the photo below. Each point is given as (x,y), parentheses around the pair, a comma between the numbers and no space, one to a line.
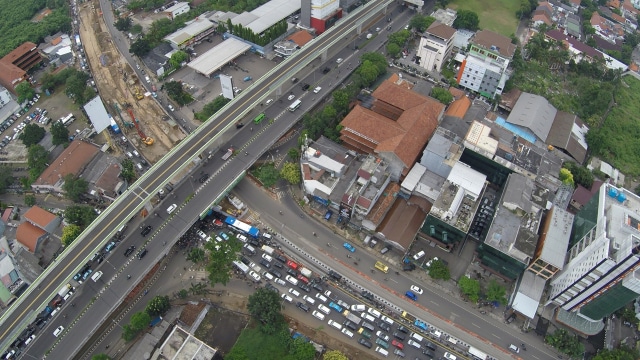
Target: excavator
(143,137)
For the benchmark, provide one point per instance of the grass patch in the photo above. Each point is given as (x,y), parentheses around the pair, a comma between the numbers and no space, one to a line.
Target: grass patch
(257,345)
(495,15)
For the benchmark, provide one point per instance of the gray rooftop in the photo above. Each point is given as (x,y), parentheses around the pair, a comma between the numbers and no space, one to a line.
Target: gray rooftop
(556,242)
(267,15)
(508,235)
(517,191)
(535,113)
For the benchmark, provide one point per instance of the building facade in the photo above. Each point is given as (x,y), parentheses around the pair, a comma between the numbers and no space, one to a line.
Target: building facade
(323,14)
(435,46)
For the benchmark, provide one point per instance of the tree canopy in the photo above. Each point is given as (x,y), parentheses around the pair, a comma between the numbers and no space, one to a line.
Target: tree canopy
(566,343)
(158,305)
(496,292)
(211,108)
(267,174)
(59,133)
(123,23)
(566,176)
(74,187)
(264,306)
(421,23)
(32,134)
(128,171)
(442,95)
(177,58)
(25,92)
(466,19)
(334,355)
(438,270)
(6,178)
(70,233)
(220,260)
(469,287)
(81,215)
(622,353)
(176,92)
(37,159)
(291,173)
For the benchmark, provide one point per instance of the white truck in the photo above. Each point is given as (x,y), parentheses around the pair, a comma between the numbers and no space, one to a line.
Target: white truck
(228,154)
(64,290)
(267,249)
(242,267)
(306,272)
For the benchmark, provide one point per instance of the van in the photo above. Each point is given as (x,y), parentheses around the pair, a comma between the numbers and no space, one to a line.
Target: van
(54,312)
(387,319)
(358,307)
(368,326)
(347,332)
(241,238)
(292,280)
(368,317)
(382,351)
(382,267)
(414,343)
(417,337)
(250,249)
(96,276)
(309,299)
(374,312)
(335,324)
(321,297)
(266,236)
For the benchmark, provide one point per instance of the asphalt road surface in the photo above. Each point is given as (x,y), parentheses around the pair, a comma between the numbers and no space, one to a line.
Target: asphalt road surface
(130,203)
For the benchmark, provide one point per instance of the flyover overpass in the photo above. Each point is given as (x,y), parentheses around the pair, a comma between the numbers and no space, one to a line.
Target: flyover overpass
(24,310)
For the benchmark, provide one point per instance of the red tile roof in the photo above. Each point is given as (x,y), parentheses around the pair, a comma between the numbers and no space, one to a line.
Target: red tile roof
(71,161)
(18,52)
(400,121)
(11,75)
(457,93)
(28,235)
(301,38)
(441,30)
(39,216)
(459,107)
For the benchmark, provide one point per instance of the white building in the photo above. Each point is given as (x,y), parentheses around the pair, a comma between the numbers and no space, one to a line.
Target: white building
(177,9)
(435,46)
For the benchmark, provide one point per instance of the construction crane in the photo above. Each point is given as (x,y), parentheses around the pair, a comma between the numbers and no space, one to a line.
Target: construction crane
(143,137)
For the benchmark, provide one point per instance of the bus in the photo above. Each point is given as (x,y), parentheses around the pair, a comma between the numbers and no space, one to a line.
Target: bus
(382,267)
(259,118)
(67,120)
(296,104)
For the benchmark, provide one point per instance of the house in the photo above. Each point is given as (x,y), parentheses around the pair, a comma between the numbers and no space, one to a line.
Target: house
(177,9)
(42,219)
(73,160)
(394,123)
(195,31)
(15,65)
(435,46)
(292,43)
(577,50)
(484,70)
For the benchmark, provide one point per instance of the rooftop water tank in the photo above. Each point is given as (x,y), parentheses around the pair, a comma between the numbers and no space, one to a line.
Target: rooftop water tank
(613,192)
(622,197)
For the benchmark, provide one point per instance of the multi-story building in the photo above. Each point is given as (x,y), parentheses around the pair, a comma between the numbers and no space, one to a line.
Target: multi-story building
(601,273)
(485,68)
(435,46)
(15,65)
(320,14)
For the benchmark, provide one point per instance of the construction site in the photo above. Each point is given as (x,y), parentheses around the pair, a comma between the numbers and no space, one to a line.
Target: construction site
(137,113)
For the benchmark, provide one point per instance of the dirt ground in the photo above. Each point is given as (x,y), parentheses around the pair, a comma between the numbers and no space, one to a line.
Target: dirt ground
(110,71)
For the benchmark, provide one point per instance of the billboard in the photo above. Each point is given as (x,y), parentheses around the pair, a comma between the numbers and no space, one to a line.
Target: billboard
(226,83)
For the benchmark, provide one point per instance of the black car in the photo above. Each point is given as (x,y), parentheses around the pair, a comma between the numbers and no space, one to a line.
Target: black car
(364,342)
(430,345)
(326,70)
(265,263)
(245,260)
(335,275)
(278,265)
(203,178)
(429,353)
(384,326)
(142,253)
(317,287)
(367,295)
(254,242)
(146,230)
(129,250)
(292,272)
(281,258)
(403,329)
(303,307)
(399,336)
(271,287)
(304,286)
(305,87)
(276,273)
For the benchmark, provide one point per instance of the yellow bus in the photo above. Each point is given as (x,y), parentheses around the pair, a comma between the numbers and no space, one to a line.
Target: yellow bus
(382,267)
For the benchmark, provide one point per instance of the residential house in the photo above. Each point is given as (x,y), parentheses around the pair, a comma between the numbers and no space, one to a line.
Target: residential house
(39,223)
(577,50)
(177,9)
(435,46)
(73,160)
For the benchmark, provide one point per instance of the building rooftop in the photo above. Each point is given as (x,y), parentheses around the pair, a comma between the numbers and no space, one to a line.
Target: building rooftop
(494,41)
(442,152)
(72,161)
(300,38)
(403,221)
(535,113)
(458,108)
(442,31)
(445,16)
(218,56)
(39,216)
(196,27)
(554,249)
(267,15)
(479,139)
(530,291)
(569,133)
(28,234)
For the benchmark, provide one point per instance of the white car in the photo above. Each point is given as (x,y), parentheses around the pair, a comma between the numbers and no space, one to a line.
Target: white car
(293,292)
(291,97)
(287,298)
(269,101)
(324,309)
(318,315)
(202,235)
(338,60)
(383,336)
(58,331)
(171,208)
(347,332)
(416,289)
(321,297)
(170,107)
(317,90)
(413,343)
(267,257)
(255,276)
(428,264)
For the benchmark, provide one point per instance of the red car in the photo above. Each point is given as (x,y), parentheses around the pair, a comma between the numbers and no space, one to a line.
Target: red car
(303,279)
(397,344)
(292,265)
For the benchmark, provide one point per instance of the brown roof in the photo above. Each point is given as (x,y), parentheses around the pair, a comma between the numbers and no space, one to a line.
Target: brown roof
(39,216)
(18,52)
(56,41)
(441,30)
(403,221)
(109,179)
(383,205)
(10,73)
(28,235)
(582,47)
(509,99)
(633,67)
(582,195)
(618,18)
(301,38)
(561,135)
(540,15)
(71,161)
(487,39)
(459,107)
(457,93)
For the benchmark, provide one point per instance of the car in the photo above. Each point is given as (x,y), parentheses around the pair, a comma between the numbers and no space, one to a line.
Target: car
(428,264)
(129,250)
(29,339)
(265,263)
(418,255)
(303,278)
(399,335)
(514,349)
(281,258)
(304,287)
(317,287)
(324,309)
(366,343)
(347,332)
(255,276)
(142,253)
(203,178)
(349,247)
(146,230)
(382,335)
(317,90)
(305,87)
(294,292)
(276,273)
(411,296)
(335,275)
(170,107)
(397,344)
(318,315)
(271,287)
(86,274)
(269,101)
(287,298)
(335,307)
(291,97)
(171,208)
(398,352)
(291,279)
(430,354)
(450,356)
(421,324)
(403,329)
(58,331)
(326,70)
(202,234)
(384,326)
(302,306)
(367,295)
(339,60)
(292,272)
(110,246)
(224,236)
(321,297)
(267,257)
(416,290)
(413,343)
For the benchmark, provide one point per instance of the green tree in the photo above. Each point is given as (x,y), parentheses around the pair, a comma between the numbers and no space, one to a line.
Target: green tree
(177,58)
(30,199)
(100,357)
(140,48)
(621,353)
(334,355)
(176,92)
(37,159)
(469,288)
(70,233)
(222,255)
(140,321)
(268,175)
(566,343)
(627,314)
(293,154)
(581,175)
(74,187)
(158,306)
(300,349)
(196,255)
(421,23)
(59,133)
(466,19)
(291,173)
(496,292)
(128,332)
(32,134)
(393,50)
(442,95)
(566,176)
(341,100)
(81,215)
(6,178)
(25,92)
(264,306)
(128,171)
(211,108)
(438,270)
(123,23)
(183,293)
